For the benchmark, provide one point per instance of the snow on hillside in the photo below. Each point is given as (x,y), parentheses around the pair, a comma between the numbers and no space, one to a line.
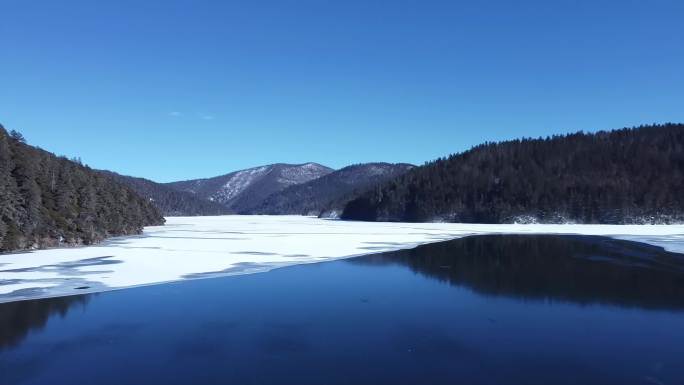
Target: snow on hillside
(248,187)
(301,174)
(199,247)
(238,182)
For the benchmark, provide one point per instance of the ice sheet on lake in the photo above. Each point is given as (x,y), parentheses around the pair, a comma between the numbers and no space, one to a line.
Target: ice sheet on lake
(197,247)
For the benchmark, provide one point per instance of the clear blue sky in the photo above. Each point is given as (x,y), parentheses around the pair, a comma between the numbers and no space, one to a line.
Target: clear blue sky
(173,90)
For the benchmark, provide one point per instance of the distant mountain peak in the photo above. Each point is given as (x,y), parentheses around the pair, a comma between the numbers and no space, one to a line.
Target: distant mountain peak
(328,192)
(240,190)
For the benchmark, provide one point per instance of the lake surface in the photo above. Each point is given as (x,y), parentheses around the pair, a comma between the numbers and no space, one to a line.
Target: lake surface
(494,309)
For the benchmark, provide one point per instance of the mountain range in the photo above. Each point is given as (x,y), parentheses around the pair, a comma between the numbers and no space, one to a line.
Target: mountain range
(307,189)
(240,191)
(328,194)
(631,175)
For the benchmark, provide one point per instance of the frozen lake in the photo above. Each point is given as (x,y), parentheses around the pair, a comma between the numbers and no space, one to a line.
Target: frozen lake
(201,247)
(490,309)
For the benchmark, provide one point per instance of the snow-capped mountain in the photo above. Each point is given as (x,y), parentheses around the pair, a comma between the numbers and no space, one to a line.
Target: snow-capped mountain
(244,189)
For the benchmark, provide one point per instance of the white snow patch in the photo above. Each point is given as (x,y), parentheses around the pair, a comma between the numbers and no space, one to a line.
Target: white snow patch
(194,247)
(238,182)
(301,174)
(7,289)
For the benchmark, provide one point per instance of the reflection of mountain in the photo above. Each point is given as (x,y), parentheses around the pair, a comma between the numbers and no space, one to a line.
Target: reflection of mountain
(570,268)
(17,319)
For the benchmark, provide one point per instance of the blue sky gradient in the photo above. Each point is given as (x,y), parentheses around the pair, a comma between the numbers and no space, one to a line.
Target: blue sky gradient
(172,90)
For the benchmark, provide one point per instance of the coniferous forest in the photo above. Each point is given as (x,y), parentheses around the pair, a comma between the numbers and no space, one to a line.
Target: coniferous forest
(169,201)
(46,200)
(632,175)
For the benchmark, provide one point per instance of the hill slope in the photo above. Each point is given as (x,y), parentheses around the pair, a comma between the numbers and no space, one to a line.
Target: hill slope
(624,176)
(47,200)
(328,192)
(244,189)
(169,201)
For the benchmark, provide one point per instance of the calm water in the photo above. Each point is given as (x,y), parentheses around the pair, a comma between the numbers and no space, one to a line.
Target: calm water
(480,310)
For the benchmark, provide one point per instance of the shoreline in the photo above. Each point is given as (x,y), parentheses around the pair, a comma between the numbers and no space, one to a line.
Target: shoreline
(206,247)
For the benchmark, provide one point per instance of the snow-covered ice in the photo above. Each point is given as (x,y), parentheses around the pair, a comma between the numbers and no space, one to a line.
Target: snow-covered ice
(198,247)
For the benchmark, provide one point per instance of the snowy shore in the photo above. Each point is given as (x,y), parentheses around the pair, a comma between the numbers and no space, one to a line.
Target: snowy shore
(199,247)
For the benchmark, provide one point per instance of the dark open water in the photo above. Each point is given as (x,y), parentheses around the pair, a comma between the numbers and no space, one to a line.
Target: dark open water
(500,309)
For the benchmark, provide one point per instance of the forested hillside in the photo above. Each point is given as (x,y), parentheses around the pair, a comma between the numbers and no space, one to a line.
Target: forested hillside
(47,200)
(330,191)
(632,175)
(169,201)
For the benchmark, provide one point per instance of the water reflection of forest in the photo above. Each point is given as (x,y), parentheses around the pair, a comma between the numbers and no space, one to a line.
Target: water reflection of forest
(17,319)
(580,269)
